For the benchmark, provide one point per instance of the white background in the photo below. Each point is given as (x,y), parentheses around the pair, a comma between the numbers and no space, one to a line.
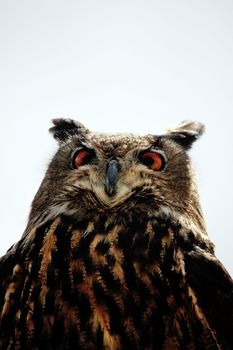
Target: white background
(133,66)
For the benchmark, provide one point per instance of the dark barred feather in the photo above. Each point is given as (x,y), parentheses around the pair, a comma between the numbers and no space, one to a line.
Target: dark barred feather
(114,284)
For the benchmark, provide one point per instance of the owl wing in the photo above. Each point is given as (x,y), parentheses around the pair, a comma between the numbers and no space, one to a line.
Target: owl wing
(8,297)
(8,261)
(213,288)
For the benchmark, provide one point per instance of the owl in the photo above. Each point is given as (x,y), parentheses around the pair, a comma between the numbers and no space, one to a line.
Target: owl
(116,255)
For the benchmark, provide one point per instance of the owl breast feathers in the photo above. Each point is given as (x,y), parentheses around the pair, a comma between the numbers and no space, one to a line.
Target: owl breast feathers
(116,254)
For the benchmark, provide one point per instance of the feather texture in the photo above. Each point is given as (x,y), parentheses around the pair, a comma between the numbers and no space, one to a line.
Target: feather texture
(116,255)
(115,283)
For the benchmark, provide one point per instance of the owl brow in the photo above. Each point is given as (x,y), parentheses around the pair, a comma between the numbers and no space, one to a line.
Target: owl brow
(80,144)
(157,142)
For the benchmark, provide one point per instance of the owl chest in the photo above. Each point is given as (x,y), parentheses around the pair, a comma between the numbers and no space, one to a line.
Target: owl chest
(113,286)
(91,287)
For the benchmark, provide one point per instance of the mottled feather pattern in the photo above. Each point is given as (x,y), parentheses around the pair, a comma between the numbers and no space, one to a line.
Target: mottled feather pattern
(116,255)
(104,285)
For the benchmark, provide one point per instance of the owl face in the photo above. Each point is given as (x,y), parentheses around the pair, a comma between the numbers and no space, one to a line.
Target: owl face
(115,168)
(102,172)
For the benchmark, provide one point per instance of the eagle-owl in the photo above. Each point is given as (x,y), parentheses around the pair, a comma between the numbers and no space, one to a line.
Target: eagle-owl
(116,254)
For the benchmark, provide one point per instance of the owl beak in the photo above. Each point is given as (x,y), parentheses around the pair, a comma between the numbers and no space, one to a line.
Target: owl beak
(111,177)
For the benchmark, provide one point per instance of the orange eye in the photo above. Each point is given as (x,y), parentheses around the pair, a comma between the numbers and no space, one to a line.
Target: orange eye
(153,160)
(82,157)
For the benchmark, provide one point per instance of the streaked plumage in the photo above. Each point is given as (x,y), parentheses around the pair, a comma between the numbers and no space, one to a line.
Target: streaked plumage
(116,254)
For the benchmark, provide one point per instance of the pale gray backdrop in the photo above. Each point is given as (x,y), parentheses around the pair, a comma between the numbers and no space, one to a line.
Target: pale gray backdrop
(135,66)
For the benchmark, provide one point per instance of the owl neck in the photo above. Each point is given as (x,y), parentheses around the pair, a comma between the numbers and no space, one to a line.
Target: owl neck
(188,213)
(132,223)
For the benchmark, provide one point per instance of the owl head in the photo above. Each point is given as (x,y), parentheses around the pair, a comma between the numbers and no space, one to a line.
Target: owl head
(95,172)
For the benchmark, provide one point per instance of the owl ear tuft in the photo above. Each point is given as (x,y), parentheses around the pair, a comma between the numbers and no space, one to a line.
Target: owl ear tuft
(185,133)
(64,129)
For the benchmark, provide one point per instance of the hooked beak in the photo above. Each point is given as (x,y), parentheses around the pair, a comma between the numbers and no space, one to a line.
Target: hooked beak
(111,177)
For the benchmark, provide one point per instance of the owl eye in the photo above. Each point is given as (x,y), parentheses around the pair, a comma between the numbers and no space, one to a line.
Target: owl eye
(153,160)
(82,157)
